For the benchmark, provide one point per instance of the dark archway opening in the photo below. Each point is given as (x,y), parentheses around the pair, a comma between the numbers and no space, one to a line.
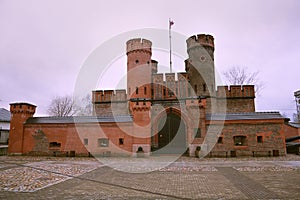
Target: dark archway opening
(171,136)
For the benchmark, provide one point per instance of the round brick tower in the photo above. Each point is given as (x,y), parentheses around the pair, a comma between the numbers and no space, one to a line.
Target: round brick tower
(139,74)
(200,64)
(20,112)
(139,68)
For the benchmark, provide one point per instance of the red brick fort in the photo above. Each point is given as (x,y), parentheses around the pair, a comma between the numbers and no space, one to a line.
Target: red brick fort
(157,113)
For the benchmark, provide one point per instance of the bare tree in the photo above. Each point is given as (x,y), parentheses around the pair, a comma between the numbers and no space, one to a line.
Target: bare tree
(69,106)
(84,106)
(241,76)
(62,106)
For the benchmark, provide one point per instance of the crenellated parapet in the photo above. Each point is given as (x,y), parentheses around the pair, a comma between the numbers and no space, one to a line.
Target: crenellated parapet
(200,39)
(165,86)
(236,98)
(99,96)
(109,102)
(25,108)
(138,44)
(154,66)
(236,91)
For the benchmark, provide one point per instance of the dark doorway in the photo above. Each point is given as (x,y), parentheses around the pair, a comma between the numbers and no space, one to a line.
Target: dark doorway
(171,137)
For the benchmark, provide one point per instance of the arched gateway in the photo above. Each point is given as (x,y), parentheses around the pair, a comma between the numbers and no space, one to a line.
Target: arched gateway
(169,134)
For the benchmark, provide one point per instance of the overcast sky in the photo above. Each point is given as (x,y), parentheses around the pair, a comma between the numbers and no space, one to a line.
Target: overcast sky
(43,44)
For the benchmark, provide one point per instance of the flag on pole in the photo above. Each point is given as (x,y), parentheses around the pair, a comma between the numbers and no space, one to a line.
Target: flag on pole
(170,23)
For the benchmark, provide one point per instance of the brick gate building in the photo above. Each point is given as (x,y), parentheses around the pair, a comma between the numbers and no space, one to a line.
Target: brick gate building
(157,114)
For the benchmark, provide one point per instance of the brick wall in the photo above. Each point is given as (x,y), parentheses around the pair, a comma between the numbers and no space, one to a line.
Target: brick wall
(238,98)
(271,135)
(82,139)
(290,131)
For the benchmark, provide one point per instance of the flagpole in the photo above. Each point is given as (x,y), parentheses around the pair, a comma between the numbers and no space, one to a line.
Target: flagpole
(170,39)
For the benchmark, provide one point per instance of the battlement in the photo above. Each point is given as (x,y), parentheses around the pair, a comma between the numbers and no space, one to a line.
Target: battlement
(154,66)
(236,91)
(202,39)
(160,77)
(108,95)
(165,86)
(170,77)
(138,44)
(22,108)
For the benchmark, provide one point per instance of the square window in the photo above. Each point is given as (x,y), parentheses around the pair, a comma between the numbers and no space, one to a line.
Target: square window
(239,140)
(103,142)
(121,141)
(220,140)
(259,139)
(86,141)
(197,132)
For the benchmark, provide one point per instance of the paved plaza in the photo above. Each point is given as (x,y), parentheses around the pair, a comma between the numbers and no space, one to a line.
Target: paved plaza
(149,178)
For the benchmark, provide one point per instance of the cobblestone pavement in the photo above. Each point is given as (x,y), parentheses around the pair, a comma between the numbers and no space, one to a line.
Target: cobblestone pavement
(187,178)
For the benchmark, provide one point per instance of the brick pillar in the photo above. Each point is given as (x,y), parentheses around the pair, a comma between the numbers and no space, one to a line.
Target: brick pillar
(20,112)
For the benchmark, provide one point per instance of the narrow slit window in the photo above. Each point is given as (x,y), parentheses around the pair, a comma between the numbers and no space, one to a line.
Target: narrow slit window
(220,140)
(86,141)
(121,141)
(259,139)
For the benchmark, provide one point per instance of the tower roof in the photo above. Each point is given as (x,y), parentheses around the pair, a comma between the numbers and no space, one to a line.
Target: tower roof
(245,116)
(78,119)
